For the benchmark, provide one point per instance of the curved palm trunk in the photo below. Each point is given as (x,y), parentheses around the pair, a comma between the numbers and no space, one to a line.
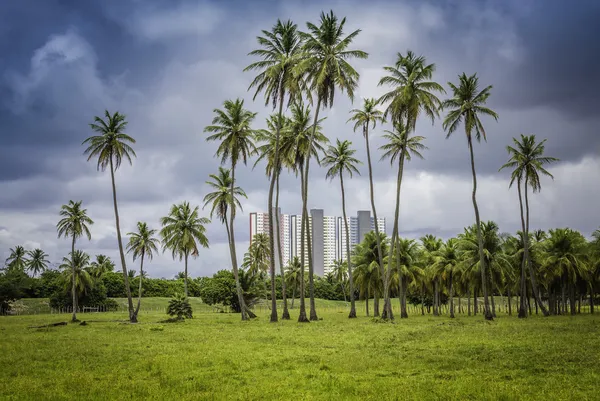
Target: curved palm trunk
(246,313)
(185,275)
(347,233)
(132,317)
(532,277)
(487,312)
(286,313)
(387,306)
(137,309)
(522,307)
(311,286)
(302,315)
(73,286)
(395,235)
(451,291)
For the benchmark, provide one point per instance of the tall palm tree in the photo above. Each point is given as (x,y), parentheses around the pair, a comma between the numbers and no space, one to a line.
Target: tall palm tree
(400,147)
(17,258)
(38,261)
(142,244)
(406,262)
(364,119)
(220,199)
(110,147)
(466,106)
(280,53)
(79,278)
(256,260)
(232,128)
(293,276)
(182,231)
(298,142)
(527,161)
(446,265)
(75,224)
(339,159)
(324,68)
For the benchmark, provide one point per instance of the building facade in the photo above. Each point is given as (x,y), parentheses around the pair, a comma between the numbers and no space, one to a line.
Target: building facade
(328,235)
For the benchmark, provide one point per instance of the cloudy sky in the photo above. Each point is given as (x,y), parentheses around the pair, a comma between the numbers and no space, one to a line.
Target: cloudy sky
(168,64)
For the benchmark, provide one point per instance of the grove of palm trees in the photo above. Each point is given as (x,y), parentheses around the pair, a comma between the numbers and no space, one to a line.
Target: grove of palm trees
(481,314)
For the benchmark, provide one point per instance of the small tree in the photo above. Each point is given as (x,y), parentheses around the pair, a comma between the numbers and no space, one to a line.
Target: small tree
(180,307)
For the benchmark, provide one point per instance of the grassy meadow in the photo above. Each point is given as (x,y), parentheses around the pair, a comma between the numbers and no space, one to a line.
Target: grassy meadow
(217,356)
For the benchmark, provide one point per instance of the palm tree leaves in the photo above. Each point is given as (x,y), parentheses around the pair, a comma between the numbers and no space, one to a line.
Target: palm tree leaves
(183,230)
(366,117)
(112,145)
(399,142)
(220,198)
(142,242)
(17,259)
(75,221)
(256,260)
(340,158)
(38,261)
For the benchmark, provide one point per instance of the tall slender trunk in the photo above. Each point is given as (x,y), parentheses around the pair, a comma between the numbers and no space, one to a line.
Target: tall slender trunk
(403,285)
(436,310)
(272,220)
(246,313)
(367,302)
(522,284)
(387,306)
(375,303)
(451,289)
(137,308)
(132,317)
(395,235)
(286,313)
(185,274)
(73,286)
(572,298)
(303,229)
(348,258)
(509,303)
(534,286)
(293,296)
(492,293)
(476,300)
(487,312)
(311,285)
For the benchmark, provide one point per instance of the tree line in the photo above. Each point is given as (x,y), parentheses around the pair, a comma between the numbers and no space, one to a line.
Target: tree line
(299,73)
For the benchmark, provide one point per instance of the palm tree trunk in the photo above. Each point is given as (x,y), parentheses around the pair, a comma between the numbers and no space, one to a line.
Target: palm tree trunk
(476,300)
(367,302)
(132,317)
(509,303)
(423,299)
(572,299)
(286,313)
(403,285)
(534,286)
(185,275)
(487,312)
(376,303)
(302,316)
(436,311)
(522,307)
(349,261)
(451,289)
(244,310)
(469,302)
(395,234)
(293,296)
(73,286)
(387,306)
(137,309)
(591,298)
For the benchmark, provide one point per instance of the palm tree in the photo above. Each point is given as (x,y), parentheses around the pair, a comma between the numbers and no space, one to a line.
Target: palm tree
(431,245)
(340,158)
(79,278)
(256,260)
(446,265)
(232,128)
(17,259)
(142,244)
(466,106)
(340,274)
(366,118)
(38,261)
(527,161)
(365,259)
(324,68)
(221,197)
(294,277)
(182,231)
(280,53)
(74,223)
(400,147)
(111,146)
(104,263)
(406,262)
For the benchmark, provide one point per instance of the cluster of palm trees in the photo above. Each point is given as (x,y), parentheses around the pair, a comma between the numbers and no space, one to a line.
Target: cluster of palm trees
(34,261)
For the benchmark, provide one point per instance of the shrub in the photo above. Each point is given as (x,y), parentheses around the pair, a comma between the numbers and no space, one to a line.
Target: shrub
(180,307)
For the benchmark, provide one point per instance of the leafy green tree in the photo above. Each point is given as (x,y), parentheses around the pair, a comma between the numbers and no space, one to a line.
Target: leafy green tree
(17,258)
(325,68)
(110,147)
(142,243)
(180,307)
(466,106)
(339,272)
(293,276)
(78,278)
(339,159)
(38,261)
(446,265)
(75,224)
(369,276)
(256,260)
(13,284)
(232,128)
(406,262)
(280,53)
(431,245)
(527,161)
(182,231)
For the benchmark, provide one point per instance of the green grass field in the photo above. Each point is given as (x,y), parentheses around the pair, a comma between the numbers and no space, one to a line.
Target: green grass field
(216,356)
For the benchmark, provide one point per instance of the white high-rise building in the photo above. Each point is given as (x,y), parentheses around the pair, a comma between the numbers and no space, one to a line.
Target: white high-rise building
(328,236)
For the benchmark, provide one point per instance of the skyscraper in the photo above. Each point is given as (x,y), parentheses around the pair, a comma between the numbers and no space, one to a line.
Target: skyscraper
(328,236)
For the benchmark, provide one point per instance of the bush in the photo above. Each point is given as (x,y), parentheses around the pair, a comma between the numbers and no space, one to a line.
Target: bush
(180,307)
